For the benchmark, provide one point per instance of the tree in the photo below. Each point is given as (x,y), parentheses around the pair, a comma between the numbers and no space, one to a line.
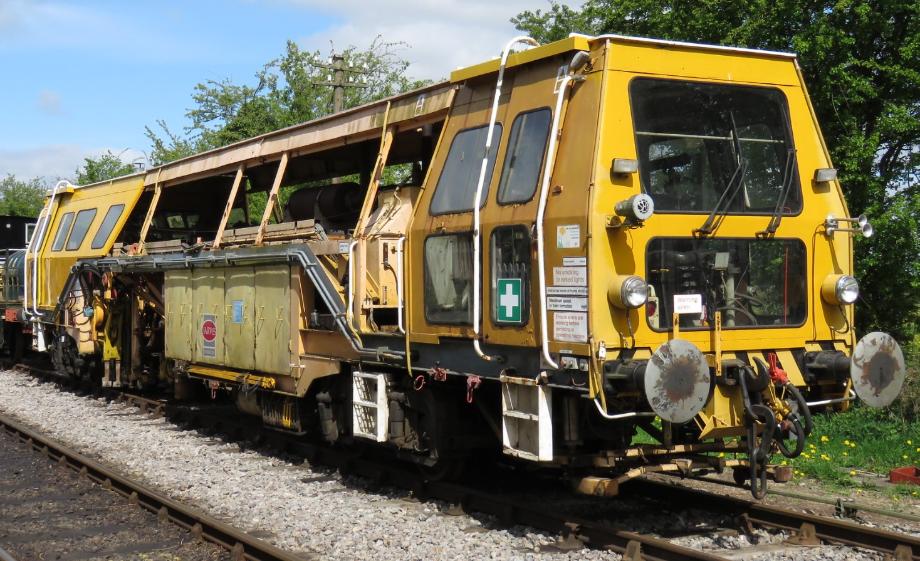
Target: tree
(105,167)
(861,61)
(21,198)
(287,91)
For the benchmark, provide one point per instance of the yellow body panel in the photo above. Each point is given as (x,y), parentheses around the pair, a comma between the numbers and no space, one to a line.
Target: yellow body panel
(578,43)
(621,251)
(55,265)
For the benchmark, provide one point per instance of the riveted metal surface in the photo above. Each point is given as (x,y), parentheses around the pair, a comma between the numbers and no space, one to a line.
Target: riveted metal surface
(677,381)
(877,369)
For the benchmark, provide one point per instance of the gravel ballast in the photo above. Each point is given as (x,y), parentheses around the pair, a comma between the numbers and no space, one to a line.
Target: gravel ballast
(293,506)
(324,515)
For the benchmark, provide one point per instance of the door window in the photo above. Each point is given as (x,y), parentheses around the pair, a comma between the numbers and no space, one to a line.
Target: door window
(524,157)
(510,250)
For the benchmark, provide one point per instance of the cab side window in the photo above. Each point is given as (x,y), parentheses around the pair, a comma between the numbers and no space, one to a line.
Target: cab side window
(108,223)
(61,235)
(510,250)
(457,184)
(81,225)
(448,278)
(524,157)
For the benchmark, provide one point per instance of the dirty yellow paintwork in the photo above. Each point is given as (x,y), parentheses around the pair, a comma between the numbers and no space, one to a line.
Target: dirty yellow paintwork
(597,128)
(576,43)
(55,265)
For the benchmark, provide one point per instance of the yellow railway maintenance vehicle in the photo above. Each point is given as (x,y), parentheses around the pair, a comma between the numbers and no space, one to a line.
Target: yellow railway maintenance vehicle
(539,257)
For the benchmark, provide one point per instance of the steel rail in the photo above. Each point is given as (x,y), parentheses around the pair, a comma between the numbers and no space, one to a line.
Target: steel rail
(241,546)
(592,533)
(901,546)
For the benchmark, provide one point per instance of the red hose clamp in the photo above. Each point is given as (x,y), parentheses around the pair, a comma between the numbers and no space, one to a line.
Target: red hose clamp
(777,374)
(438,374)
(472,382)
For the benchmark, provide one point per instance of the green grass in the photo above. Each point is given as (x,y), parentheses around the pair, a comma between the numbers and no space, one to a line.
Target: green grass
(861,439)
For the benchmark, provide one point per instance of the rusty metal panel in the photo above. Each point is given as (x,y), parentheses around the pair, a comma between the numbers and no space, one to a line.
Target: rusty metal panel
(273,319)
(177,296)
(239,318)
(208,300)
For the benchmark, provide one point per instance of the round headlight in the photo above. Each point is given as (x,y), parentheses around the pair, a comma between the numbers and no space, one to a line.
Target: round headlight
(847,289)
(840,289)
(627,291)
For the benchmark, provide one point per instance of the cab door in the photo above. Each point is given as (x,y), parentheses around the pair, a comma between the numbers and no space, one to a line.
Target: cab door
(441,241)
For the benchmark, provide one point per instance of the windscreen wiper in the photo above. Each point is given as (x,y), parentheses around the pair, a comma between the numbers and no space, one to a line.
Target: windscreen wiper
(728,195)
(777,215)
(730,191)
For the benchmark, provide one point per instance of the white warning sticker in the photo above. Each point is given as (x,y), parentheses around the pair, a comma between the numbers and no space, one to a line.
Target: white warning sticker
(688,303)
(570,326)
(575,261)
(566,290)
(568,236)
(570,276)
(566,304)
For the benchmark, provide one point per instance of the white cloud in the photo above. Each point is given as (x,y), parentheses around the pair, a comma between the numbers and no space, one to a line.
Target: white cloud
(442,34)
(49,102)
(54,162)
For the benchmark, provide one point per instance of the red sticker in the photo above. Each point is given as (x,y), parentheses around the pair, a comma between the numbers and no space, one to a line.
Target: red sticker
(208,330)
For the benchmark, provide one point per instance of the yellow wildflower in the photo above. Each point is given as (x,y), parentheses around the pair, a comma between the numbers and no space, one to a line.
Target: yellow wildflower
(853,472)
(826,439)
(846,442)
(904,456)
(909,442)
(845,453)
(825,457)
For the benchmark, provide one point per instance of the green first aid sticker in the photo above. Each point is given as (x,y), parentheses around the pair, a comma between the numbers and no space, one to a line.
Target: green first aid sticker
(508,301)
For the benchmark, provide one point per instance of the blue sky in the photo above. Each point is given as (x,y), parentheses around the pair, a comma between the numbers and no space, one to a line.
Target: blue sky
(82,77)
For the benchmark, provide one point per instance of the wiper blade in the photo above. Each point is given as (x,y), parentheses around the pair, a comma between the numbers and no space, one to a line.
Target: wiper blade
(777,215)
(728,195)
(731,189)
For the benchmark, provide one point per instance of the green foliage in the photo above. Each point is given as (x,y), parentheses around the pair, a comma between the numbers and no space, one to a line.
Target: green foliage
(861,439)
(289,90)
(105,167)
(21,198)
(907,406)
(861,60)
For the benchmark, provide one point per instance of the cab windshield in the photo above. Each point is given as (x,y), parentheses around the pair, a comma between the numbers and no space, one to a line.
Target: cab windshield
(693,138)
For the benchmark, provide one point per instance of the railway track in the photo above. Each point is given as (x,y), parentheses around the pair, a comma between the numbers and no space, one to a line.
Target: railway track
(807,529)
(241,546)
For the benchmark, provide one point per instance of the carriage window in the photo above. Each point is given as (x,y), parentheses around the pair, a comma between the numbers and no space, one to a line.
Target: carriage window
(62,230)
(697,142)
(524,157)
(448,278)
(457,184)
(80,227)
(510,275)
(108,223)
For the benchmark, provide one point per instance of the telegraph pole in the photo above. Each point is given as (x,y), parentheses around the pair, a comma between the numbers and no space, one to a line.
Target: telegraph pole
(343,76)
